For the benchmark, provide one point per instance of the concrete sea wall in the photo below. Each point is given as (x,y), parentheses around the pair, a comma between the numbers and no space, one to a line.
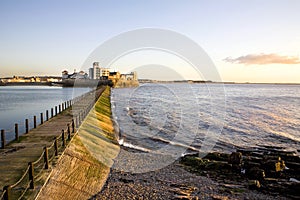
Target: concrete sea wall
(84,166)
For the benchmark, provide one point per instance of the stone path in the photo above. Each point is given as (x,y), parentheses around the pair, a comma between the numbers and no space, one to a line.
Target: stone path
(15,157)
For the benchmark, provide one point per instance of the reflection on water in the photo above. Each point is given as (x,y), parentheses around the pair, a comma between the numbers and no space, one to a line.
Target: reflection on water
(256,114)
(20,102)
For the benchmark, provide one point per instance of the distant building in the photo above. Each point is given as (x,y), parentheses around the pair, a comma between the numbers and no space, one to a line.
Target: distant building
(97,72)
(65,74)
(132,76)
(114,76)
(75,75)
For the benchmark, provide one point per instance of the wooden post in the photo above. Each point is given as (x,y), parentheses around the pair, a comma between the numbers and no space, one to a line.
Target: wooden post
(55,110)
(26,126)
(47,115)
(65,105)
(63,138)
(34,121)
(46,158)
(73,126)
(42,118)
(2,139)
(62,107)
(59,108)
(16,132)
(52,113)
(79,119)
(31,175)
(7,190)
(69,132)
(55,146)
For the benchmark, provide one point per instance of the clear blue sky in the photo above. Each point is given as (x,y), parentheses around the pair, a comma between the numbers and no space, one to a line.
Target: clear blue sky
(249,40)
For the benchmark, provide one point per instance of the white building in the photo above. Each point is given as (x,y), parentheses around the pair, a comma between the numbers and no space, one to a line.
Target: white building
(98,72)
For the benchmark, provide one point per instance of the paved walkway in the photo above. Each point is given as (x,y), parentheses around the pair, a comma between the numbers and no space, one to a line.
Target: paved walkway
(15,157)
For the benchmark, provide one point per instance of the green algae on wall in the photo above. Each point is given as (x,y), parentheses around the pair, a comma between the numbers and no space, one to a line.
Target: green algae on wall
(84,166)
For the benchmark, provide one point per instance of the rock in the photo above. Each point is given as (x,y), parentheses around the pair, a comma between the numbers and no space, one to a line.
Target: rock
(254,184)
(217,156)
(279,166)
(235,158)
(293,165)
(126,180)
(218,165)
(219,197)
(294,189)
(193,161)
(248,165)
(272,165)
(292,158)
(256,173)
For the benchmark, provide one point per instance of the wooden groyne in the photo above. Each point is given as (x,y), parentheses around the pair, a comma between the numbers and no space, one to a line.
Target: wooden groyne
(25,161)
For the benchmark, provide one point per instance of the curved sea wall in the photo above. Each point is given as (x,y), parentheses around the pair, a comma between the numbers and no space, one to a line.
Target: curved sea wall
(83,168)
(126,83)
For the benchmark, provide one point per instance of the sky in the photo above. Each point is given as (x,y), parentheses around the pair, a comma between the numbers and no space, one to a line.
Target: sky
(248,41)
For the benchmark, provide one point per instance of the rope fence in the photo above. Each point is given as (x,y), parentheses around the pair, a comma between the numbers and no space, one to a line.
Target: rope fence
(33,123)
(34,171)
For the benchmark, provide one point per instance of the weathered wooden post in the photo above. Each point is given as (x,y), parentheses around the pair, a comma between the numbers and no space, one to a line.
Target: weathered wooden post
(26,126)
(55,146)
(73,126)
(51,112)
(46,158)
(59,108)
(69,132)
(34,121)
(16,132)
(55,110)
(76,121)
(31,175)
(7,190)
(63,138)
(79,118)
(65,105)
(2,139)
(42,118)
(47,115)
(62,107)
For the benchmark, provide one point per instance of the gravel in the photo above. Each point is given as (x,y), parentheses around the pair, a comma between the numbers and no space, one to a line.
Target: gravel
(172,182)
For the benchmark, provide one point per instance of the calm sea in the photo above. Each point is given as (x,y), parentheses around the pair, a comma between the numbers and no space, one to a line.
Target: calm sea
(156,117)
(20,102)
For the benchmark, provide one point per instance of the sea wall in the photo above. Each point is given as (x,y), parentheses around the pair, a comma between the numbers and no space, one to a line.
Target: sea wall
(126,83)
(85,165)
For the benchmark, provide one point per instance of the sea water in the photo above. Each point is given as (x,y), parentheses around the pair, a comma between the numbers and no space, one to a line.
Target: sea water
(207,116)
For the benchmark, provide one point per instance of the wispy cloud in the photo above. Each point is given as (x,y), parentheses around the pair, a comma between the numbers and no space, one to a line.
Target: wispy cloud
(263,59)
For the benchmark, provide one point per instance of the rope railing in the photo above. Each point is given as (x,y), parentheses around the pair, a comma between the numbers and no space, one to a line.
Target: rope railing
(24,192)
(58,145)
(20,180)
(30,124)
(2,195)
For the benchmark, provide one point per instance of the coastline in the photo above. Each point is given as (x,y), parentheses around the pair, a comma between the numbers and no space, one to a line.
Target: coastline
(176,181)
(190,178)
